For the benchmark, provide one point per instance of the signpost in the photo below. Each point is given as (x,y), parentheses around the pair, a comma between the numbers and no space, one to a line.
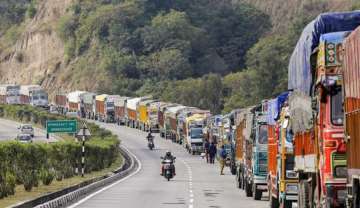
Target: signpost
(64,126)
(84,133)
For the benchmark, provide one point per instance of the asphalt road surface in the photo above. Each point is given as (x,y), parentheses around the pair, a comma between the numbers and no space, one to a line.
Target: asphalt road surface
(9,130)
(196,185)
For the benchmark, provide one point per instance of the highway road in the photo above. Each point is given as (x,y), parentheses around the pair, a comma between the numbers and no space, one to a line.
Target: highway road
(196,185)
(9,130)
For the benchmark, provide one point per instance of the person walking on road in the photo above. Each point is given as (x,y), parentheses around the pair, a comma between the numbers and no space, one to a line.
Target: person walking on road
(222,159)
(206,148)
(212,152)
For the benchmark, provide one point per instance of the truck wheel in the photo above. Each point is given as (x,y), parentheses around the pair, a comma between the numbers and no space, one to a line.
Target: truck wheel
(256,193)
(233,169)
(287,204)
(238,180)
(248,190)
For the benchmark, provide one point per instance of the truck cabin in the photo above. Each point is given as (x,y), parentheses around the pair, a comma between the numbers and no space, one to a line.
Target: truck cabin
(39,98)
(328,110)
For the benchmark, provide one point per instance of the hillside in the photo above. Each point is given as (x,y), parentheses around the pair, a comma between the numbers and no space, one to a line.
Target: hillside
(204,53)
(284,12)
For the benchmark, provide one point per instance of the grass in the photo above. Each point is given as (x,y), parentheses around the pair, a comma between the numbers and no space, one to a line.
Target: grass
(21,195)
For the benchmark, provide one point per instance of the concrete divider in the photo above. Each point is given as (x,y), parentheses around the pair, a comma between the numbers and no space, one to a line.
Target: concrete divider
(72,194)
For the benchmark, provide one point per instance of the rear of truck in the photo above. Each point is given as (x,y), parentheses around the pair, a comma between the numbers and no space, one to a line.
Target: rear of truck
(153,113)
(120,110)
(100,107)
(130,112)
(61,103)
(87,105)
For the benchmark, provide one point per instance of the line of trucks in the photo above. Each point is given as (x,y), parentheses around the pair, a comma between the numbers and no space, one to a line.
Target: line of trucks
(23,94)
(303,145)
(181,124)
(300,146)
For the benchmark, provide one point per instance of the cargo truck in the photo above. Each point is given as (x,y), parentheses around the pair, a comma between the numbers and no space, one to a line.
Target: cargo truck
(87,105)
(161,117)
(171,114)
(282,179)
(10,94)
(194,132)
(34,95)
(105,107)
(239,153)
(316,110)
(351,88)
(153,116)
(143,114)
(74,102)
(130,113)
(120,110)
(244,150)
(257,173)
(61,103)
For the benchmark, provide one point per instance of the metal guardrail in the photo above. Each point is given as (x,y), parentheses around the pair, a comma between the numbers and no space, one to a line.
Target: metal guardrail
(72,194)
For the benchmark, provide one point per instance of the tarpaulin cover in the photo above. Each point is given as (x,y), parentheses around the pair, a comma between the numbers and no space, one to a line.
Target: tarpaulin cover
(300,112)
(300,76)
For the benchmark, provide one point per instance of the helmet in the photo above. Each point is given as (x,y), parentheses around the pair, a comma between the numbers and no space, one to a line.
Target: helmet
(168,153)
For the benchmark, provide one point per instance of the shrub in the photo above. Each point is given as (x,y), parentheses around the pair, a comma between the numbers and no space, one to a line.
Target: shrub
(27,164)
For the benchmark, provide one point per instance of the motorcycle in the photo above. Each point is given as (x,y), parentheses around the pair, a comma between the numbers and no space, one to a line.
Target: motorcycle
(227,161)
(168,168)
(151,144)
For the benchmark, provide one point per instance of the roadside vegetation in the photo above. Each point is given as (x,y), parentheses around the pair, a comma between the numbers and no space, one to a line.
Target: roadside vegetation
(30,165)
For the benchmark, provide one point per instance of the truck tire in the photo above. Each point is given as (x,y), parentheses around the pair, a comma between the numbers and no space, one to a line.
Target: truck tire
(287,204)
(248,190)
(303,196)
(233,169)
(257,194)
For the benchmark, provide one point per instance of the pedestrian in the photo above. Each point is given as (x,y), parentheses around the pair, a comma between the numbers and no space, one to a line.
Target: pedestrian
(206,149)
(222,159)
(212,152)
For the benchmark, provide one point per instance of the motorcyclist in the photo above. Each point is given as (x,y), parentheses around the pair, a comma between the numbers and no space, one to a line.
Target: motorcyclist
(149,136)
(168,156)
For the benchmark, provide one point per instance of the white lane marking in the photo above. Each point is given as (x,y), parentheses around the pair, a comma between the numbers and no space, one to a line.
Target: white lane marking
(111,185)
(191,194)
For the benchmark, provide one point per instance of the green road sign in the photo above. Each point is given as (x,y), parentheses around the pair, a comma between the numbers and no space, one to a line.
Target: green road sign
(66,126)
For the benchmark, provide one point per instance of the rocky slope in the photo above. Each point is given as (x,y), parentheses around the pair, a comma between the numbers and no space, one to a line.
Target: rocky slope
(37,56)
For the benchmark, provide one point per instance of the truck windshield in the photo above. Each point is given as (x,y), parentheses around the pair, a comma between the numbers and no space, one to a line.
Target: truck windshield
(263,134)
(110,104)
(196,133)
(337,114)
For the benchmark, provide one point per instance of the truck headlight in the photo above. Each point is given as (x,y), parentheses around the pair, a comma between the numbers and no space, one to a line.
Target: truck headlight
(292,188)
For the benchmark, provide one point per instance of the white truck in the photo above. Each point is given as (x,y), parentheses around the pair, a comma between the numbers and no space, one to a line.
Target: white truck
(10,94)
(34,95)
